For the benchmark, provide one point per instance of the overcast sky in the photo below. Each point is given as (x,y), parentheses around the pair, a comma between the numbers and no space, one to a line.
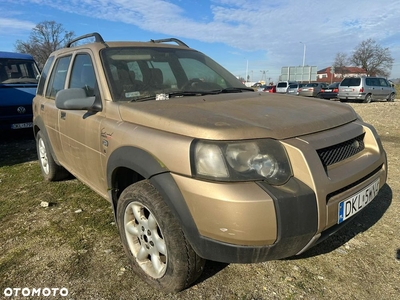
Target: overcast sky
(244,36)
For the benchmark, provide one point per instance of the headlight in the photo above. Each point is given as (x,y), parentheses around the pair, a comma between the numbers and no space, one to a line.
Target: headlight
(244,160)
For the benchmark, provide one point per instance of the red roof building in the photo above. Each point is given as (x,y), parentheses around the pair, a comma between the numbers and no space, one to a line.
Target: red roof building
(326,75)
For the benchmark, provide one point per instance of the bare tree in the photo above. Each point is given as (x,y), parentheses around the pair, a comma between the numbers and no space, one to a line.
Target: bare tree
(374,59)
(46,37)
(340,62)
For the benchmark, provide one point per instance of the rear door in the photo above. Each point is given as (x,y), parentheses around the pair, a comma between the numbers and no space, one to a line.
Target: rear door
(48,109)
(373,87)
(80,130)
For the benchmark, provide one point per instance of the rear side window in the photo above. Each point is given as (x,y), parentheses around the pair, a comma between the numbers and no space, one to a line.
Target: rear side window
(44,75)
(351,82)
(58,76)
(282,84)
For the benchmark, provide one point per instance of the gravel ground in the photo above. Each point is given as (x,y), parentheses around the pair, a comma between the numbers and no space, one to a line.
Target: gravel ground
(73,243)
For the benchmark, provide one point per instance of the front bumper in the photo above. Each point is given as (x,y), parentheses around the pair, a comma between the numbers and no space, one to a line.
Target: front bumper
(239,230)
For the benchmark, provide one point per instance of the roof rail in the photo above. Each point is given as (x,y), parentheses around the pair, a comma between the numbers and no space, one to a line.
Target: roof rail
(97,36)
(178,42)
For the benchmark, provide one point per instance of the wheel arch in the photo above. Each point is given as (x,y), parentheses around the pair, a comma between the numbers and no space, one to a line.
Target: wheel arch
(127,165)
(38,125)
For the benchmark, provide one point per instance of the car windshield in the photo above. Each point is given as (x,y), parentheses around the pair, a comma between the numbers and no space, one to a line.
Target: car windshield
(293,86)
(145,73)
(17,71)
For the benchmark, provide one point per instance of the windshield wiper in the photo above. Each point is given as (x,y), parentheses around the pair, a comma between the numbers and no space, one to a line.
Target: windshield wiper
(235,90)
(166,96)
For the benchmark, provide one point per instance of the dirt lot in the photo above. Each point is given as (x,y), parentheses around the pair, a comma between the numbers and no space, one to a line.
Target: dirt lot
(73,243)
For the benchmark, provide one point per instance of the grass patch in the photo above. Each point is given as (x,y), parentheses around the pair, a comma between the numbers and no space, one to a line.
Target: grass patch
(397,88)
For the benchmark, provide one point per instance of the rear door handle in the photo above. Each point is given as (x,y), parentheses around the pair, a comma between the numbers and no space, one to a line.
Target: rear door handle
(63,115)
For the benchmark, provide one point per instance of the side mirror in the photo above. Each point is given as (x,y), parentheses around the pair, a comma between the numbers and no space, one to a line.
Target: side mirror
(74,99)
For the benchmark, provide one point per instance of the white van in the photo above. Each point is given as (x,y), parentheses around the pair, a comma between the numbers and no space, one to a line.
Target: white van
(282,86)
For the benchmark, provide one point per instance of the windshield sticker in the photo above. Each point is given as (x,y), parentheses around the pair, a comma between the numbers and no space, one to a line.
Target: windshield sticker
(132,94)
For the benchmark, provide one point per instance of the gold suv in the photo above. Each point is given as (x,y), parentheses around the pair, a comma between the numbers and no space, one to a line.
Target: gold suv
(196,165)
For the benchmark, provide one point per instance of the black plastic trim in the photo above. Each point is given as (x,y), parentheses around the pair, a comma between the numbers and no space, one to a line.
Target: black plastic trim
(136,159)
(38,122)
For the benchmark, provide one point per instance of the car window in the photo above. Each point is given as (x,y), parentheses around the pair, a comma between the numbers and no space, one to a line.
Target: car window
(44,75)
(383,82)
(18,71)
(196,69)
(351,81)
(82,75)
(281,84)
(58,76)
(293,86)
(373,82)
(333,85)
(134,73)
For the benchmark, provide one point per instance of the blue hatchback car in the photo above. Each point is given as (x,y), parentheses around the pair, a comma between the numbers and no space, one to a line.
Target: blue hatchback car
(19,75)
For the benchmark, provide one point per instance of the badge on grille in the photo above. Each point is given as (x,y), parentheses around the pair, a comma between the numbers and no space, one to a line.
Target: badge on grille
(21,110)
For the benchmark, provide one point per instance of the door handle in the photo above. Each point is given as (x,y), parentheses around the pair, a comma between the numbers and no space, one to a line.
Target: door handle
(63,115)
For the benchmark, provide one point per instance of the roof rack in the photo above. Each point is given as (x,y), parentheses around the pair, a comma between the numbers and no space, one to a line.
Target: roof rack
(97,36)
(178,42)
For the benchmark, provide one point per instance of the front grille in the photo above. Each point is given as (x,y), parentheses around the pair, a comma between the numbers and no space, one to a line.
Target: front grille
(336,153)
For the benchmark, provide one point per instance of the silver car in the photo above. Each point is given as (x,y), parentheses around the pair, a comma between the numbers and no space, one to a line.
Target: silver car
(294,88)
(366,89)
(312,89)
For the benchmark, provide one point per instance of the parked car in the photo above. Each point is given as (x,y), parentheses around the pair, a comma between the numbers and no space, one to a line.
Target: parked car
(268,88)
(282,86)
(294,88)
(18,81)
(366,89)
(312,89)
(195,164)
(330,92)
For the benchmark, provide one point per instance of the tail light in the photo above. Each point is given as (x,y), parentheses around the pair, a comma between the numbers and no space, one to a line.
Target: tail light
(335,90)
(362,90)
(322,91)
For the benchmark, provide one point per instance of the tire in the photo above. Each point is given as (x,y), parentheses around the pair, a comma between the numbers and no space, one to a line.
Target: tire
(391,97)
(154,241)
(50,169)
(368,98)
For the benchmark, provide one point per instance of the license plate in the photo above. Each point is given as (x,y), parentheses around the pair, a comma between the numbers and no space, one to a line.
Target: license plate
(347,90)
(328,90)
(21,125)
(357,202)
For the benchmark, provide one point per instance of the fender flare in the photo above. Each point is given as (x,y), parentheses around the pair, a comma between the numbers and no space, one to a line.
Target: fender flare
(38,125)
(136,159)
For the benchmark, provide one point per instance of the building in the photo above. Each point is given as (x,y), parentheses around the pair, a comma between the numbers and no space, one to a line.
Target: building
(337,74)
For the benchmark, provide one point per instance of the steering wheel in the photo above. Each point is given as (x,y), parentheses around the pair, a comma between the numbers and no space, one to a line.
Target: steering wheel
(191,83)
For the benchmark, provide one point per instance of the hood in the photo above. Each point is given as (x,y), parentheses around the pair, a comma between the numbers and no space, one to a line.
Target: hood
(235,116)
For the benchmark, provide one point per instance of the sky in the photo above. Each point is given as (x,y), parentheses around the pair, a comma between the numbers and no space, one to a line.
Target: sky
(249,38)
